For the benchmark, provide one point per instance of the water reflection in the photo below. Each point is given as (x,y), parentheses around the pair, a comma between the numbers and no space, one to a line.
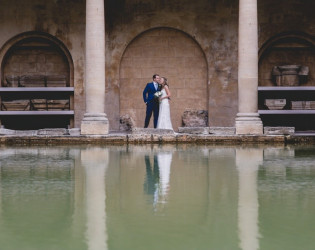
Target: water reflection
(0,193)
(247,162)
(152,175)
(157,179)
(95,163)
(157,197)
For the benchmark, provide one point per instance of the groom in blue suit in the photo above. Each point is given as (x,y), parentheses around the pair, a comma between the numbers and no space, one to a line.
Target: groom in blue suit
(152,102)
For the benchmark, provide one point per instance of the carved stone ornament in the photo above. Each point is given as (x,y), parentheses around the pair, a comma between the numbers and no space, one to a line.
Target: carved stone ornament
(289,75)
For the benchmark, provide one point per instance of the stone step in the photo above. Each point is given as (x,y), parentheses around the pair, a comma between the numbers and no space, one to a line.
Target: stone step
(152,131)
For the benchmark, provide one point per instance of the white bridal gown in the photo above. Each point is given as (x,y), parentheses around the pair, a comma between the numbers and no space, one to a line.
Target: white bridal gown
(164,121)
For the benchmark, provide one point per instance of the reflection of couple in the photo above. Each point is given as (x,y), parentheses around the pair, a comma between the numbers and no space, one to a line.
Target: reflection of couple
(158,178)
(156,96)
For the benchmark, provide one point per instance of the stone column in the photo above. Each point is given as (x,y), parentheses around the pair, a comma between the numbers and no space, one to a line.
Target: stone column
(95,121)
(248,120)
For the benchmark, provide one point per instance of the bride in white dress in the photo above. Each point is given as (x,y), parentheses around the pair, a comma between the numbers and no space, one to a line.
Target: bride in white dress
(164,120)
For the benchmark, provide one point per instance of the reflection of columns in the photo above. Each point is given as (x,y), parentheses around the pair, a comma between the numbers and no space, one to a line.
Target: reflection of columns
(247,162)
(95,162)
(0,192)
(248,120)
(95,120)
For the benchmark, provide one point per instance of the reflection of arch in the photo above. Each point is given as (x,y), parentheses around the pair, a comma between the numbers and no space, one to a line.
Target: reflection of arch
(38,39)
(285,49)
(171,53)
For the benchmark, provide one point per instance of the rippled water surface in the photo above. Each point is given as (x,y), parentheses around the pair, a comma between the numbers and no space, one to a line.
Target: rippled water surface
(157,197)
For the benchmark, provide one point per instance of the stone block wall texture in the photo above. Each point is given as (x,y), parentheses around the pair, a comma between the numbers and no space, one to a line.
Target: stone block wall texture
(44,60)
(65,21)
(292,21)
(211,24)
(172,54)
(287,54)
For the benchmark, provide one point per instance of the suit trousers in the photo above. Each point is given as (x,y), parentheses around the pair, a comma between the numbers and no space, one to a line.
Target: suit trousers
(152,107)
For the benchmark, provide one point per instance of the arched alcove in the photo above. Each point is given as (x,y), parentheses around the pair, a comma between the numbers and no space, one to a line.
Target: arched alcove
(287,81)
(40,62)
(287,49)
(170,53)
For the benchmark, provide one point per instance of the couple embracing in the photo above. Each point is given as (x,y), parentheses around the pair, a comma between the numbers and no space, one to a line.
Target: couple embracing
(156,96)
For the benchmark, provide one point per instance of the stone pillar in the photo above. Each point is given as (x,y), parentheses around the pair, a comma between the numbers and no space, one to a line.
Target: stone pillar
(248,120)
(95,121)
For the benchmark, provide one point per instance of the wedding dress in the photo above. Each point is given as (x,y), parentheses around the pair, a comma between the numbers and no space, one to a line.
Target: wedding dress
(164,120)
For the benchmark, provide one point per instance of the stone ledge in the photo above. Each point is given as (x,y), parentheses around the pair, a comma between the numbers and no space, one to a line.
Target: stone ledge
(53,131)
(194,130)
(151,131)
(4,131)
(74,131)
(176,138)
(279,130)
(222,130)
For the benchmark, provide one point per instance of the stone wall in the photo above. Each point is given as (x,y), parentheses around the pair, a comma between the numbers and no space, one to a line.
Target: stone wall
(64,20)
(211,25)
(286,36)
(44,60)
(170,53)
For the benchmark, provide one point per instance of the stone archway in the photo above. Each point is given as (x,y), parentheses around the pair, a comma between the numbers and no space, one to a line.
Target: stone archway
(30,62)
(170,53)
(286,49)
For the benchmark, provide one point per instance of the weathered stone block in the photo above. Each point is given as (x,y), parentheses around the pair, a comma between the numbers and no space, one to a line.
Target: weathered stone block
(222,130)
(194,130)
(152,131)
(53,131)
(195,118)
(74,131)
(94,124)
(126,123)
(4,131)
(279,130)
(26,132)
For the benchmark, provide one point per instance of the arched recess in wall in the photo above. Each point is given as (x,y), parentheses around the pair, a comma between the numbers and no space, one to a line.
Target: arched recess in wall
(35,59)
(170,53)
(288,60)
(294,48)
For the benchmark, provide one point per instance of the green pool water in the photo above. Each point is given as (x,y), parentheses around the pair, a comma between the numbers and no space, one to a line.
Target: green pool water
(157,198)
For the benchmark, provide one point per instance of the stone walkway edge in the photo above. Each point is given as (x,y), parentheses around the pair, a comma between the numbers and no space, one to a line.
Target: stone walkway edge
(118,139)
(223,136)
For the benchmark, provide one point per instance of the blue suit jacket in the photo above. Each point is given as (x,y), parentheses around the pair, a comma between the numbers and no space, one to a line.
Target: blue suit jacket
(148,92)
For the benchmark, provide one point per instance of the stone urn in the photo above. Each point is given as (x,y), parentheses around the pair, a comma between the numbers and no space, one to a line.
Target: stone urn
(289,75)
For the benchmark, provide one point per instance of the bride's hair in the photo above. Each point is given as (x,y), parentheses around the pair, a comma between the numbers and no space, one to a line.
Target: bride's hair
(165,81)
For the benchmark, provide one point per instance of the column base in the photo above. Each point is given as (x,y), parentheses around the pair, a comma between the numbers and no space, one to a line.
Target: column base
(248,124)
(94,124)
